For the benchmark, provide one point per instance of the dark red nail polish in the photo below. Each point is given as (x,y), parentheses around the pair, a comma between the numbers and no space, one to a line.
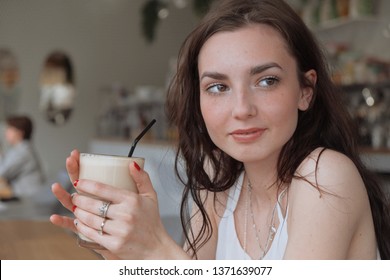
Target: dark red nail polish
(137,166)
(75,183)
(74,208)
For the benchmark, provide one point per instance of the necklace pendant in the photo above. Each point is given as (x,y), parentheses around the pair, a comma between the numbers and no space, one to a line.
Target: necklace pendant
(272,233)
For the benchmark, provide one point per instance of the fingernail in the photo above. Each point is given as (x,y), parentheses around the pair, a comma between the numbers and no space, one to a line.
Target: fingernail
(75,222)
(74,208)
(137,166)
(75,183)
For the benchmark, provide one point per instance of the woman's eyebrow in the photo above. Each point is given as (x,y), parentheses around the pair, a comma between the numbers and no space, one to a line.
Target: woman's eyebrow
(253,71)
(214,75)
(260,68)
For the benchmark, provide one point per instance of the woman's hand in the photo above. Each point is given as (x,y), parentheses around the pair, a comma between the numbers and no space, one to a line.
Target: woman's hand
(72,166)
(133,227)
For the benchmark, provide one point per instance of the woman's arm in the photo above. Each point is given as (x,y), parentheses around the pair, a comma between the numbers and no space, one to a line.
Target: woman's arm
(322,225)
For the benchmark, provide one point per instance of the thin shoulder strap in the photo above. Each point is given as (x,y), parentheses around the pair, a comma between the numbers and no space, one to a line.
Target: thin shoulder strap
(279,207)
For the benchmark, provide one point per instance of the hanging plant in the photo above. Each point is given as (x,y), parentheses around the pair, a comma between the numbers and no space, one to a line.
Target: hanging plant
(150,18)
(150,15)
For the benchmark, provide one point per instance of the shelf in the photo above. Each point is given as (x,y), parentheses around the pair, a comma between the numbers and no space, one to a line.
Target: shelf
(374,151)
(377,160)
(361,86)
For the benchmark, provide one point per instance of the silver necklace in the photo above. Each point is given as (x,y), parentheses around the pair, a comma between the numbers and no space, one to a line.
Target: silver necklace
(271,230)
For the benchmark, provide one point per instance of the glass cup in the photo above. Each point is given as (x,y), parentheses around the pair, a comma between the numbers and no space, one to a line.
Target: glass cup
(110,170)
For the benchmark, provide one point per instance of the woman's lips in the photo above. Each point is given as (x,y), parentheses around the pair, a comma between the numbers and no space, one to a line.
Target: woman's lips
(247,135)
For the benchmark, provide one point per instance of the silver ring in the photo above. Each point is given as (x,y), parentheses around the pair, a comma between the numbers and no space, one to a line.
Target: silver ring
(103,209)
(100,231)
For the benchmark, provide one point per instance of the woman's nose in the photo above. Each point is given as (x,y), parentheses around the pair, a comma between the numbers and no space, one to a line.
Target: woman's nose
(244,106)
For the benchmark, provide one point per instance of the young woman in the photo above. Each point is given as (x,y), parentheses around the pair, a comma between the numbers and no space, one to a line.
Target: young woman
(272,165)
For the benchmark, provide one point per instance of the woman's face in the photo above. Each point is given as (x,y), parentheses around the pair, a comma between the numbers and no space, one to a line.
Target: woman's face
(249,92)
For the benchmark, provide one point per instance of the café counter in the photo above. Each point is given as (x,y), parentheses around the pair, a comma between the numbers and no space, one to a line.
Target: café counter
(39,240)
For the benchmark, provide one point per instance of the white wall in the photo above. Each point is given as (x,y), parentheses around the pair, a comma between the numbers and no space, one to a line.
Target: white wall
(103,37)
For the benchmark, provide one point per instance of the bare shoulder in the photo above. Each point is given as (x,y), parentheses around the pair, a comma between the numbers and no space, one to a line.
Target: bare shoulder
(328,207)
(332,172)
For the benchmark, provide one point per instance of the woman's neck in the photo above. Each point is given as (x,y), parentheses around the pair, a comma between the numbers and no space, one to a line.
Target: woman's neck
(263,179)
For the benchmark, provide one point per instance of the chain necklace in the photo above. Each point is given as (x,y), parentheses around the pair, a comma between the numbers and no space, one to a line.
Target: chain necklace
(271,230)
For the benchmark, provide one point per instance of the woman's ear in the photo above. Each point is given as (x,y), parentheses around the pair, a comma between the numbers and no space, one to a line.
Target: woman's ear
(307,91)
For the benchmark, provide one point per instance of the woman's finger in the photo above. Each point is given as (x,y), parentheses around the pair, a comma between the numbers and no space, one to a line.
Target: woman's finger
(92,205)
(111,242)
(89,232)
(91,220)
(101,191)
(106,225)
(62,195)
(72,165)
(142,181)
(63,221)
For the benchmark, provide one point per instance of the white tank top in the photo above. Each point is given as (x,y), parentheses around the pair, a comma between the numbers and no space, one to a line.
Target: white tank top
(229,247)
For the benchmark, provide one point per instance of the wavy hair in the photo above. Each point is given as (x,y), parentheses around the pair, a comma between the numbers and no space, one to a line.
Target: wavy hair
(325,124)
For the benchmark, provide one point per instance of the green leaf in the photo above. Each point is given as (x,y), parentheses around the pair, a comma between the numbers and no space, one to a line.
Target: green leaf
(150,18)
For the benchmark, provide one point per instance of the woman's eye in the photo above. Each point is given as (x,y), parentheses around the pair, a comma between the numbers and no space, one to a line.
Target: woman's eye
(268,81)
(216,88)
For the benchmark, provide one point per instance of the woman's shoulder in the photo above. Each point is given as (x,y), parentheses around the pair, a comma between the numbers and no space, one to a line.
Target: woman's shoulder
(325,158)
(326,165)
(329,171)
(328,207)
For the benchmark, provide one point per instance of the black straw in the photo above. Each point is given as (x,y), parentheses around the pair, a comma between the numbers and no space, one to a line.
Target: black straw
(140,136)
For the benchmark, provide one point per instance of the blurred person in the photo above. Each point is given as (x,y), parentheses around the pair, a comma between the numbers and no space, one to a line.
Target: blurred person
(20,169)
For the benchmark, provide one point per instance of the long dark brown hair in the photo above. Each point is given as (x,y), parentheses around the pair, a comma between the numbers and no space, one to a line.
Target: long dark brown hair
(325,124)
